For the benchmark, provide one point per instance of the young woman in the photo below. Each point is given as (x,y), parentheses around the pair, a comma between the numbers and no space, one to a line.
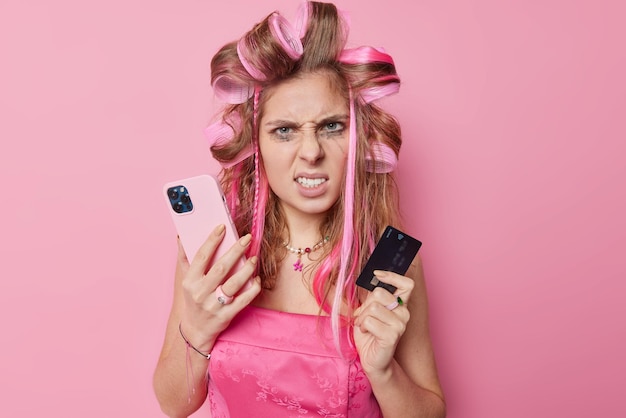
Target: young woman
(308,170)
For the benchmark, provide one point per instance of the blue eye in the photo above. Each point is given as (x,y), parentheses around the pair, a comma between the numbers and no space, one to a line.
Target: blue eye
(283,133)
(332,128)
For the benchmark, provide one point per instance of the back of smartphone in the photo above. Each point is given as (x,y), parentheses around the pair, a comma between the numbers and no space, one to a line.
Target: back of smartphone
(197,205)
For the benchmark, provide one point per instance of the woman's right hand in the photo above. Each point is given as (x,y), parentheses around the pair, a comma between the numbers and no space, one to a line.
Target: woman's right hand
(203,317)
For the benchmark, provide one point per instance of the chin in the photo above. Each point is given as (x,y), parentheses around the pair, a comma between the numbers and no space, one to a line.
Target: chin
(315,208)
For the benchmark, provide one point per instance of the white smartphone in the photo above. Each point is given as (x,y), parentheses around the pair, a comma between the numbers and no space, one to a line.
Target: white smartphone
(197,205)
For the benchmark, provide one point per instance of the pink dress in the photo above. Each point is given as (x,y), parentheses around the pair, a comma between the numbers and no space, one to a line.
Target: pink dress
(276,364)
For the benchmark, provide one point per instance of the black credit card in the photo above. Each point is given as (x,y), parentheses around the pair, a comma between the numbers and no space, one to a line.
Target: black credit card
(394,251)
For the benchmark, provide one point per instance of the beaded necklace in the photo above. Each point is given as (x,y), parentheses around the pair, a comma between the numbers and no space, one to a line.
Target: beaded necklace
(307,250)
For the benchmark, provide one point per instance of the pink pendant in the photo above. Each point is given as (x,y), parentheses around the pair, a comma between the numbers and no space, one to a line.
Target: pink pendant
(298,265)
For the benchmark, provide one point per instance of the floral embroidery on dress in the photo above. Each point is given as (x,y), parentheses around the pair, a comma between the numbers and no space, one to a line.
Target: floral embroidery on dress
(285,371)
(327,414)
(216,411)
(291,403)
(357,382)
(337,396)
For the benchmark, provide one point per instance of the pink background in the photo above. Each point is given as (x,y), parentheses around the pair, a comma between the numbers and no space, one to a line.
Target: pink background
(512,174)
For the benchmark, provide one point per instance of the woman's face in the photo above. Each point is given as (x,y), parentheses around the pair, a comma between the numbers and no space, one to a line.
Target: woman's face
(303,139)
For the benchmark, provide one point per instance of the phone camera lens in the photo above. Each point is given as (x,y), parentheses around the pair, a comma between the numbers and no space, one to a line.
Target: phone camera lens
(179,207)
(185,199)
(172,193)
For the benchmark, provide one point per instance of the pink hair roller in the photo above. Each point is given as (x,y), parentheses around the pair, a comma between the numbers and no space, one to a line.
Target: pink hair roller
(302,18)
(365,55)
(382,160)
(232,91)
(286,36)
(242,52)
(283,33)
(220,133)
(391,86)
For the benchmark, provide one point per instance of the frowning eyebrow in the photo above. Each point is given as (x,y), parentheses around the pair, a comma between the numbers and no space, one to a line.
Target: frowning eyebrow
(334,118)
(284,122)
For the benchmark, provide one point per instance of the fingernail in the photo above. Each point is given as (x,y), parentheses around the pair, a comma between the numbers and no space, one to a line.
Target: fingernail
(253,260)
(245,240)
(380,273)
(219,230)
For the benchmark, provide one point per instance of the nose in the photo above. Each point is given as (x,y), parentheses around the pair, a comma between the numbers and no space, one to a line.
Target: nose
(311,149)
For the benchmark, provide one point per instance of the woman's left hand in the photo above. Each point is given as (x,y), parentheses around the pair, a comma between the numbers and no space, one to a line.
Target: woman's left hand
(379,323)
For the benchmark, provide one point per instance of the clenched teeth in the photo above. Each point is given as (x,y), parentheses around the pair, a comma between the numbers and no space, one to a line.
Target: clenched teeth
(310,182)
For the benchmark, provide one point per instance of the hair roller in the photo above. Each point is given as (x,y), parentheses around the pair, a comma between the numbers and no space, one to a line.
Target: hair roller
(270,49)
(377,87)
(286,36)
(232,91)
(243,52)
(382,158)
(223,131)
(386,86)
(365,55)
(220,133)
(302,18)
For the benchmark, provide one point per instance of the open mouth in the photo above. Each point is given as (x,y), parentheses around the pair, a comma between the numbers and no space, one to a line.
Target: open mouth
(310,183)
